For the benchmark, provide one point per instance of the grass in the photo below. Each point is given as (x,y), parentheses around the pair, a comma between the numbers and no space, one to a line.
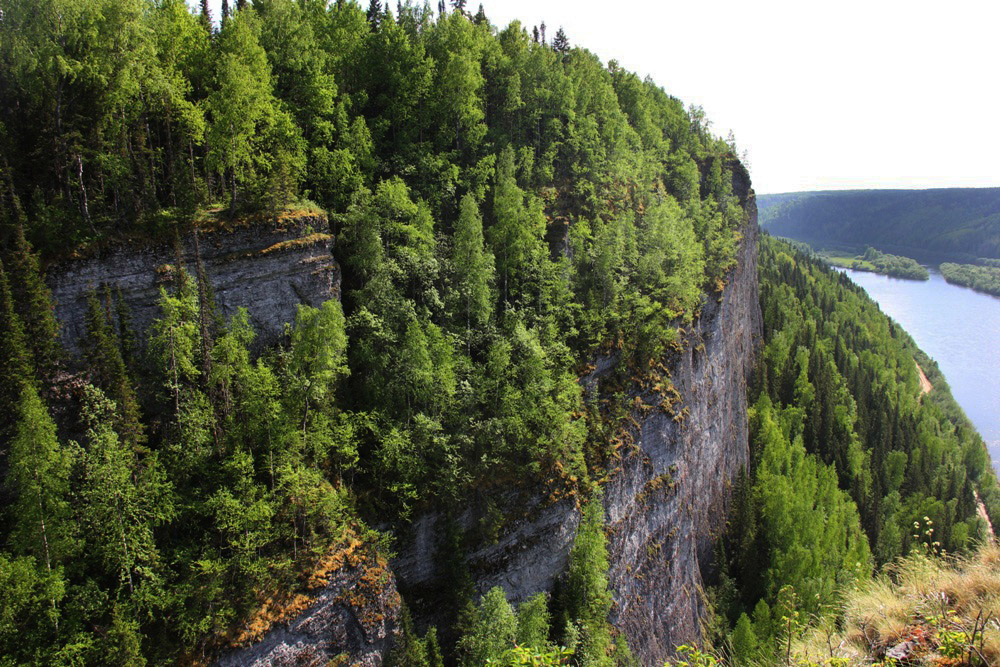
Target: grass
(925,610)
(849,262)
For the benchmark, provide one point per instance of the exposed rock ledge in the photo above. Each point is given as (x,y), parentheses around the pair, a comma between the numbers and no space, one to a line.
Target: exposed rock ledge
(349,619)
(264,267)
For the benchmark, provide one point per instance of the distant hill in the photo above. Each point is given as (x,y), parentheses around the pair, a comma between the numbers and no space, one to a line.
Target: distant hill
(957,224)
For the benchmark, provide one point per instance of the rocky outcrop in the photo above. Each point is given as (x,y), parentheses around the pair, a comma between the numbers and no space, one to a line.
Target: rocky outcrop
(665,501)
(349,619)
(267,268)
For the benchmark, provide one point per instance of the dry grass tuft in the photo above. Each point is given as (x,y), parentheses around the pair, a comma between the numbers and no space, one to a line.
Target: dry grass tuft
(925,610)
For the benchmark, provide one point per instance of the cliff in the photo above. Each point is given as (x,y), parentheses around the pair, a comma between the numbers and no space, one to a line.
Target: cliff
(267,268)
(668,500)
(348,618)
(665,500)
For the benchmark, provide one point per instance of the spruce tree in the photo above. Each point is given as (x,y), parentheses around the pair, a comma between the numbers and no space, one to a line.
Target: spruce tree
(107,368)
(374,14)
(39,475)
(120,502)
(561,43)
(205,16)
(15,360)
(33,303)
(480,18)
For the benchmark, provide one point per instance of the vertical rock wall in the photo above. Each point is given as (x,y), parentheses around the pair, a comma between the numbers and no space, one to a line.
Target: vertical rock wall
(667,503)
(264,267)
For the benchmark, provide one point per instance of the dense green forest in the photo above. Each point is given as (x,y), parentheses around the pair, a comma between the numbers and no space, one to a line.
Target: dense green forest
(880,262)
(503,207)
(982,278)
(952,224)
(851,465)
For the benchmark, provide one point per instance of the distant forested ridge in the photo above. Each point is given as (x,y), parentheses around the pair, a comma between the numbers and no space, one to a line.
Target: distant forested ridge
(851,466)
(503,208)
(949,224)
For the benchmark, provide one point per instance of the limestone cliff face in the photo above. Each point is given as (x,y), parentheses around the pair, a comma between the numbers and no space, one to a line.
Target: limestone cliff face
(665,502)
(668,501)
(349,618)
(266,268)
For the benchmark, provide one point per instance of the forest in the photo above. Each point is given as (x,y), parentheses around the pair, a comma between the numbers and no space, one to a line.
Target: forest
(504,206)
(932,226)
(852,466)
(894,266)
(981,278)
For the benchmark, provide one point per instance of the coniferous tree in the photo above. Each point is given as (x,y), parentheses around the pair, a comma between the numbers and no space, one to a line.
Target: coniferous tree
(206,16)
(33,303)
(459,6)
(561,43)
(15,360)
(480,18)
(39,474)
(587,599)
(516,234)
(122,502)
(490,632)
(472,265)
(374,14)
(107,368)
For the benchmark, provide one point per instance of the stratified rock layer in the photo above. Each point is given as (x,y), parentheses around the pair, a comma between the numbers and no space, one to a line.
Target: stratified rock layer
(265,267)
(350,620)
(665,501)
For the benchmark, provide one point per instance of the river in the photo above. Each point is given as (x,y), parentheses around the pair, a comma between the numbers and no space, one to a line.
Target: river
(960,329)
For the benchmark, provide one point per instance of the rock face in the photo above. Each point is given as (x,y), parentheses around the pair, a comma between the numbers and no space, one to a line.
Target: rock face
(665,502)
(266,268)
(350,620)
(668,501)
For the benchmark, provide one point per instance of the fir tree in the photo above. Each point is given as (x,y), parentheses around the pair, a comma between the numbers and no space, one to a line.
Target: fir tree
(15,360)
(33,303)
(374,14)
(107,368)
(121,502)
(561,43)
(472,265)
(206,16)
(480,18)
(39,474)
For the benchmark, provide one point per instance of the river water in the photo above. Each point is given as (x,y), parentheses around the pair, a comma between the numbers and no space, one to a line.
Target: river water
(960,329)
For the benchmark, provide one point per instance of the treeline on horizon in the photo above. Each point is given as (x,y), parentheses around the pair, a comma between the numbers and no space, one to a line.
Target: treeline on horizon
(851,466)
(503,205)
(932,226)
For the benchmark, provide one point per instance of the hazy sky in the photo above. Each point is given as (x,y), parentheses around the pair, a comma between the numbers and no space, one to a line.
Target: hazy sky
(846,94)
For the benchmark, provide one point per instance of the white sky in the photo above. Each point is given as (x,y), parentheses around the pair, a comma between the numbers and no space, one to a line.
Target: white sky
(831,95)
